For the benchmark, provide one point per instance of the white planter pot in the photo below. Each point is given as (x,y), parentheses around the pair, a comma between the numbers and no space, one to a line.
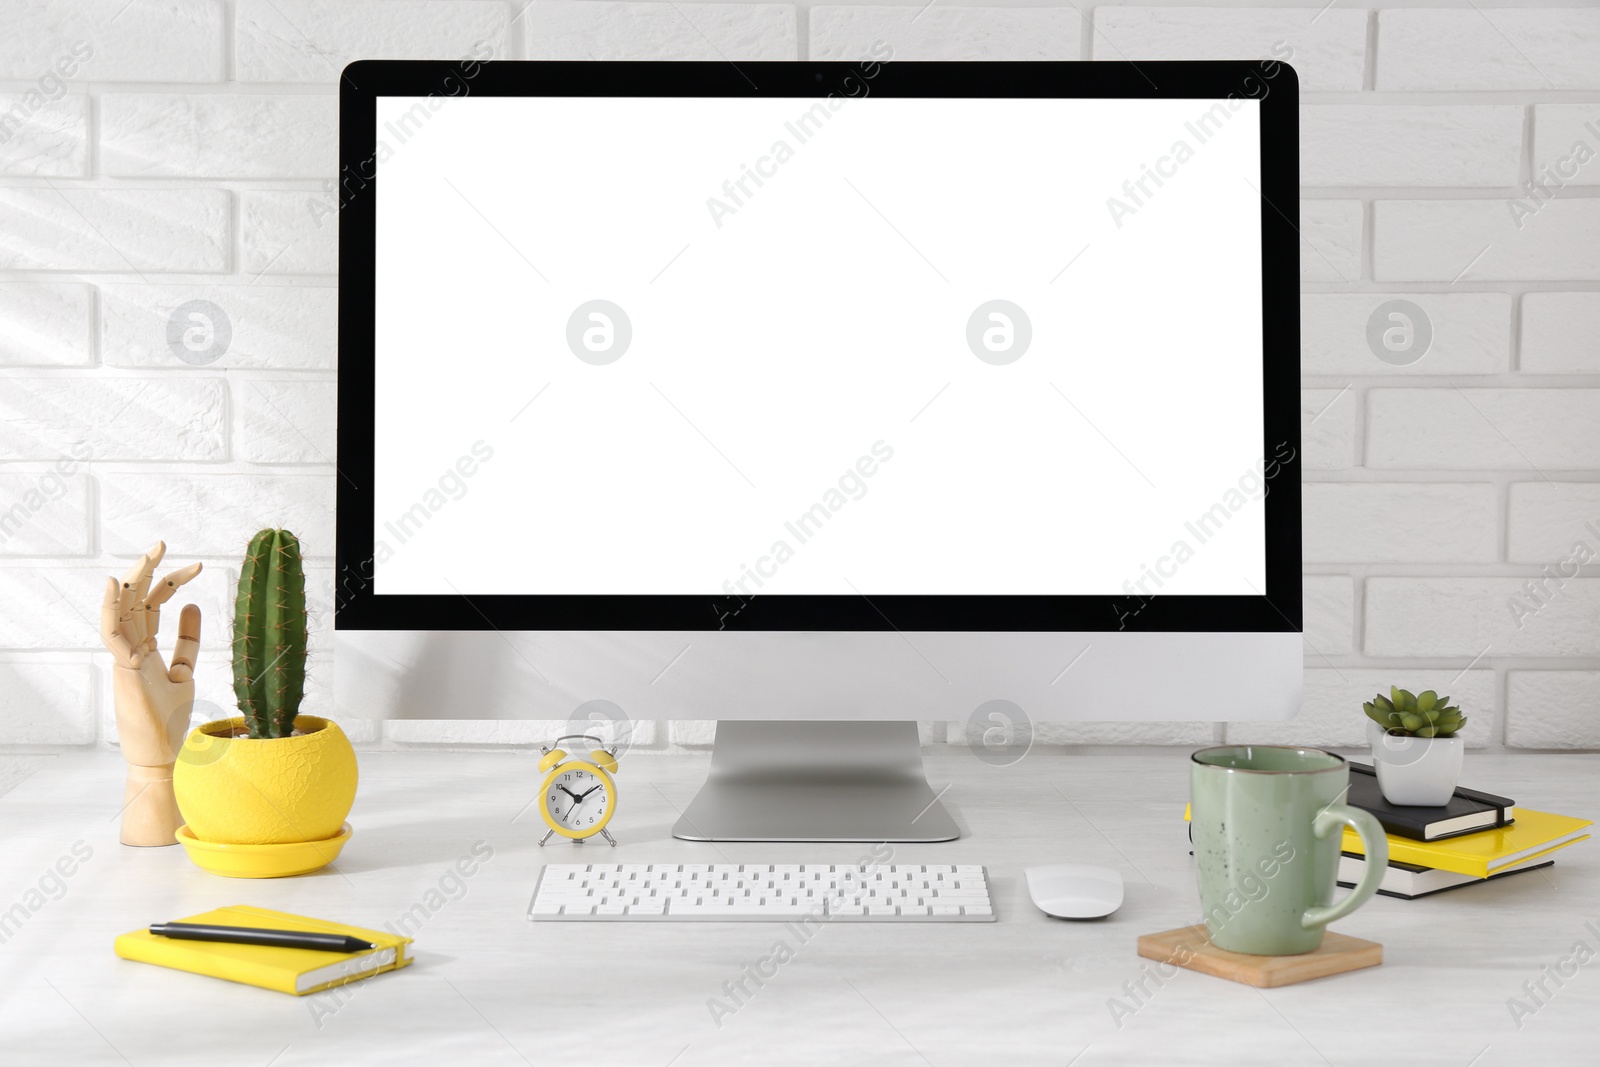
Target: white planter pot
(1421,771)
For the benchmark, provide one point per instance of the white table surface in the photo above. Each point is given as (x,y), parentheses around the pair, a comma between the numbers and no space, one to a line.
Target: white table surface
(491,988)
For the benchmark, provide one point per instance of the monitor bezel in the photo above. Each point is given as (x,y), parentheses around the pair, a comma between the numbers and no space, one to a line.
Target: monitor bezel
(1272,83)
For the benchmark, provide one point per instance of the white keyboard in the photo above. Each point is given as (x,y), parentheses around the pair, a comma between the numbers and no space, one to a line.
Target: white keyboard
(760,892)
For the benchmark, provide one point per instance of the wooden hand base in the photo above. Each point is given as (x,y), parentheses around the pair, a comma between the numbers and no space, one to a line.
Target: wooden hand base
(150,810)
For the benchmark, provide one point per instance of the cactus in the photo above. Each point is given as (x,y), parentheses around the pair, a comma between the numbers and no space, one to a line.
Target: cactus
(269,634)
(1425,715)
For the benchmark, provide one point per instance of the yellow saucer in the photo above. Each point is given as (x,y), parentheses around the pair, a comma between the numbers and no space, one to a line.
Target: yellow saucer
(263,861)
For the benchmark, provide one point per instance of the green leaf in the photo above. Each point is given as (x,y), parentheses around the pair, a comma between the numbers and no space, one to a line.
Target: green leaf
(1426,700)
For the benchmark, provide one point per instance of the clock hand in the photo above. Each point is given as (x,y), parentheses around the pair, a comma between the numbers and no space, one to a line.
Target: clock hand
(569,792)
(586,793)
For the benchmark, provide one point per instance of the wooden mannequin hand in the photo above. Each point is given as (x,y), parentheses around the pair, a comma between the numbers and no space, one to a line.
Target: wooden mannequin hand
(153,701)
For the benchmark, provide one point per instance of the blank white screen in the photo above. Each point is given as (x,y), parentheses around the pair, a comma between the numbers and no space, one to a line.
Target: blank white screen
(787,335)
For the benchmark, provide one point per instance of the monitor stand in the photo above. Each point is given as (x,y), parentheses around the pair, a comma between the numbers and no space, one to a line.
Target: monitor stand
(816,781)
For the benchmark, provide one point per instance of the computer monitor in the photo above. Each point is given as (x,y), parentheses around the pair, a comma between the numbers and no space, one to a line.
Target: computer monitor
(818,399)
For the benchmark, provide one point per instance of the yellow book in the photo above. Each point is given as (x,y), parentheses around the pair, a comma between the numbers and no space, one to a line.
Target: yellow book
(1534,834)
(288,970)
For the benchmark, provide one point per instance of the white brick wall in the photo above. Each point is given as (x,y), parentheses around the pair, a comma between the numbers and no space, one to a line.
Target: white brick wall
(1478,240)
(212,515)
(156,154)
(281,234)
(45,700)
(1330,616)
(921,32)
(602,29)
(112,40)
(45,324)
(1548,518)
(1553,709)
(1468,617)
(47,140)
(284,421)
(1329,46)
(46,513)
(52,606)
(1400,522)
(277,327)
(1389,144)
(116,418)
(1559,332)
(312,40)
(1474,338)
(71,228)
(1558,130)
(1466,429)
(1328,428)
(1476,47)
(198,135)
(1330,245)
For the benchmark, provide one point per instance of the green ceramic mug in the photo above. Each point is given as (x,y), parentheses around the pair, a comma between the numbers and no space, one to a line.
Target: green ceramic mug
(1266,822)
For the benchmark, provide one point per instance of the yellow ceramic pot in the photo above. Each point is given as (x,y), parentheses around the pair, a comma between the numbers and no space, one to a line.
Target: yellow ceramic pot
(265,791)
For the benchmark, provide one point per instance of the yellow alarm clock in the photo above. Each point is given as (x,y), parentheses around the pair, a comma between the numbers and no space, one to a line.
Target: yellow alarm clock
(578,797)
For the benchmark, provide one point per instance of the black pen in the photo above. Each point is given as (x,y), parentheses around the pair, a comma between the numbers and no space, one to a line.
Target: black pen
(249,935)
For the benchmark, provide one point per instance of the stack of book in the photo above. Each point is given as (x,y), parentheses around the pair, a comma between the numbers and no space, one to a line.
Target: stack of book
(1476,837)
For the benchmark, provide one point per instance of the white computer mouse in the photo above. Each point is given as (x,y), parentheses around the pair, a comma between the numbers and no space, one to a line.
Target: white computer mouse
(1075,890)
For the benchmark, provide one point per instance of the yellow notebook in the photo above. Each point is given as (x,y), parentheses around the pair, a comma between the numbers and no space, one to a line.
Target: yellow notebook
(1534,834)
(288,970)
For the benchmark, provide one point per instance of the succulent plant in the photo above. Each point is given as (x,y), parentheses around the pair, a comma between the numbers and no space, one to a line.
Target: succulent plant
(269,634)
(1425,715)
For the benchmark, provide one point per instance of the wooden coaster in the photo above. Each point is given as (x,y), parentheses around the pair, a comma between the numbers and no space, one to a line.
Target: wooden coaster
(1190,947)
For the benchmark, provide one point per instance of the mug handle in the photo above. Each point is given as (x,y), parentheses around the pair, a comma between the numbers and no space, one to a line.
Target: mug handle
(1333,819)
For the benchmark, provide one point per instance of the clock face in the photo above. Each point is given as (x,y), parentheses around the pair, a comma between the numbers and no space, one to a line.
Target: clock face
(577,800)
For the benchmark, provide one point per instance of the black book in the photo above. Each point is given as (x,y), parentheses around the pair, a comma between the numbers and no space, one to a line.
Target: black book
(1467,812)
(1407,881)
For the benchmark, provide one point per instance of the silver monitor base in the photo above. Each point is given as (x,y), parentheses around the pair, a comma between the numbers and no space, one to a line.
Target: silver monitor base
(816,781)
